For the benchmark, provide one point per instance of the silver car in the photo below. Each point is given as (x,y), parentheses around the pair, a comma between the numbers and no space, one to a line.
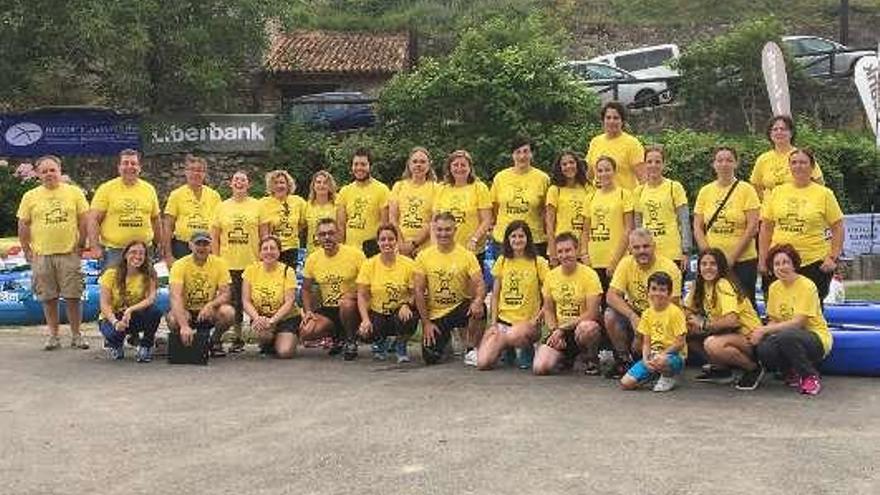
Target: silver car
(819,56)
(631,92)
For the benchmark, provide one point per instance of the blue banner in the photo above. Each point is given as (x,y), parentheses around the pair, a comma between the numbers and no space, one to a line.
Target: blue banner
(68,132)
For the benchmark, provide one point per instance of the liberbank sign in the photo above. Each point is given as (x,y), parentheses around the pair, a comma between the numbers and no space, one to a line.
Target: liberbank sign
(208,133)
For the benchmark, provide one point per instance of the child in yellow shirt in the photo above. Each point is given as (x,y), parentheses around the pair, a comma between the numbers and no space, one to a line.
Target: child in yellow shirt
(663,331)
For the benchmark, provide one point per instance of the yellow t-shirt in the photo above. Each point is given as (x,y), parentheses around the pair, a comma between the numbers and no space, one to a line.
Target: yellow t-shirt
(464,203)
(571,207)
(657,206)
(390,286)
(363,210)
(128,210)
(664,327)
(626,150)
(239,223)
(800,217)
(772,169)
(730,225)
(314,213)
(414,204)
(136,287)
(448,277)
(606,212)
(520,197)
(191,214)
(54,217)
(268,287)
(569,292)
(801,298)
(521,279)
(720,299)
(632,280)
(335,275)
(284,224)
(200,283)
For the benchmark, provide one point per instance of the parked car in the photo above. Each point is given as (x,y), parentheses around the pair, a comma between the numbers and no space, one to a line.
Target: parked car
(603,78)
(336,111)
(644,62)
(821,57)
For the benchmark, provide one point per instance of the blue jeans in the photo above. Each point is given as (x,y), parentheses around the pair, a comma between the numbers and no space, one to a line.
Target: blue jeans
(143,323)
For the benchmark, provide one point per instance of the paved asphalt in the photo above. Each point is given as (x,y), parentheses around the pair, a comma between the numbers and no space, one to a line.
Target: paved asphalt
(72,422)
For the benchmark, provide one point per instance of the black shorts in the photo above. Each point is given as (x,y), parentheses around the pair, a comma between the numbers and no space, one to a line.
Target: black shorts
(199,326)
(385,325)
(332,314)
(289,325)
(457,318)
(571,346)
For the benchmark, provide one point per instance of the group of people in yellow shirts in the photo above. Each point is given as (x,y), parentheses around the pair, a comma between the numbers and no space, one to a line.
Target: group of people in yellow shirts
(590,255)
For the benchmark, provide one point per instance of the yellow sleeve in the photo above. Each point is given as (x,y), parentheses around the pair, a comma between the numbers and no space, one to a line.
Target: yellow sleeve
(484,198)
(806,301)
(542,267)
(498,267)
(472,264)
(223,277)
(594,285)
(727,301)
(101,200)
(340,197)
(156,210)
(365,274)
(178,271)
(637,152)
(751,197)
(309,268)
(553,196)
(675,272)
(384,193)
(493,191)
(24,208)
(249,273)
(757,175)
(419,266)
(833,214)
(645,322)
(82,205)
(626,199)
(767,207)
(679,196)
(678,320)
(290,279)
(699,204)
(395,191)
(106,280)
(171,207)
(636,198)
(620,278)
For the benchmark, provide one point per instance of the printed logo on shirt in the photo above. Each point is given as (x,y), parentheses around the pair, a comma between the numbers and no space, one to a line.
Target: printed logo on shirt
(331,287)
(357,219)
(394,295)
(600,231)
(412,214)
(265,296)
(568,307)
(577,217)
(238,234)
(130,217)
(443,292)
(513,295)
(197,290)
(722,225)
(518,204)
(55,213)
(793,221)
(652,218)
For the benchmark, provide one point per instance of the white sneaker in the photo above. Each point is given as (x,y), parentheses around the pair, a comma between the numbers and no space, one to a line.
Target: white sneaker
(664,384)
(470,359)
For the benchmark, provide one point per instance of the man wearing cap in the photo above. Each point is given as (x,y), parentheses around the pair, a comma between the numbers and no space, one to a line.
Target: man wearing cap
(52,230)
(200,293)
(124,209)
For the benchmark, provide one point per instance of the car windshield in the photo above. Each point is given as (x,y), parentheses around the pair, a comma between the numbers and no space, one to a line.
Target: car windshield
(644,60)
(605,72)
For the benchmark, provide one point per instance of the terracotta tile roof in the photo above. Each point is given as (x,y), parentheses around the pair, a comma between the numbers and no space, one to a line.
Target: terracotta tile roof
(311,52)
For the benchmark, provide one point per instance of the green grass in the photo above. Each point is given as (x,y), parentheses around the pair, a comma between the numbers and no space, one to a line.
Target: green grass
(867,292)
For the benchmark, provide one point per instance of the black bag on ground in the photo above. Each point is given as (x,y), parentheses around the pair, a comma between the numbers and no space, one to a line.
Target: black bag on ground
(195,353)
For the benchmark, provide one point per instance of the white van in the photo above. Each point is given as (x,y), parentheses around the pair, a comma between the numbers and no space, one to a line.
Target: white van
(647,61)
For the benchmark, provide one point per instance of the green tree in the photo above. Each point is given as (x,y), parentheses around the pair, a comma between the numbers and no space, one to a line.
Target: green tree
(722,83)
(156,55)
(504,78)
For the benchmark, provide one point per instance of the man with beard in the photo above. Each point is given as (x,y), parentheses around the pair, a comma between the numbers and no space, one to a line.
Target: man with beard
(627,296)
(334,268)
(362,206)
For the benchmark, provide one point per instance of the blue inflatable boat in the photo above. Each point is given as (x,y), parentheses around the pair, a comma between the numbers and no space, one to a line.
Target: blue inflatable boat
(855,352)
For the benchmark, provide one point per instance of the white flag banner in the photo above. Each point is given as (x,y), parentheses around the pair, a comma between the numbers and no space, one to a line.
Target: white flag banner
(867,78)
(773,65)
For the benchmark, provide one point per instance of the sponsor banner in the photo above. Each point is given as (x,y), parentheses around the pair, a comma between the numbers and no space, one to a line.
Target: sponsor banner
(67,132)
(773,65)
(861,234)
(209,133)
(867,79)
